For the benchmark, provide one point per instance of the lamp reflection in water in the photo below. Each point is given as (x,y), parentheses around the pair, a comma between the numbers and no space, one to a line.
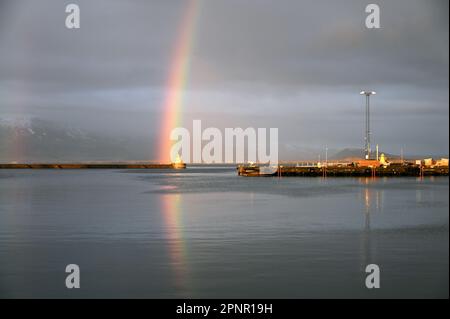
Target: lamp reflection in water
(173,232)
(372,201)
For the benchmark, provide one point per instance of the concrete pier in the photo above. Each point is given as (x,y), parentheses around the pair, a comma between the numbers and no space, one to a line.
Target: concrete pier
(92,166)
(343,171)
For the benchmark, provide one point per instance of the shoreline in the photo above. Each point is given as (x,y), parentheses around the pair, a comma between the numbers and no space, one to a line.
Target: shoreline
(342,171)
(92,166)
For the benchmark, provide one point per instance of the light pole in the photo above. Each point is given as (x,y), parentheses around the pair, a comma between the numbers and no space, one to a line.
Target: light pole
(367,137)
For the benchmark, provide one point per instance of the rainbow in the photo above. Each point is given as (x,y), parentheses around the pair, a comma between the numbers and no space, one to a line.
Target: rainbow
(177,80)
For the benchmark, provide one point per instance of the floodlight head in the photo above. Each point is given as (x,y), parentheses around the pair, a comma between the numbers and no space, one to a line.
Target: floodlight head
(367,93)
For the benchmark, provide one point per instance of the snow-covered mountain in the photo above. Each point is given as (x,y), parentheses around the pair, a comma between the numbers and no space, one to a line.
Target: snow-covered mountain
(34,139)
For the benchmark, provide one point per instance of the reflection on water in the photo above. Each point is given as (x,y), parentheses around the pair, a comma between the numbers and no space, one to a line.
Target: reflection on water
(371,203)
(207,233)
(173,218)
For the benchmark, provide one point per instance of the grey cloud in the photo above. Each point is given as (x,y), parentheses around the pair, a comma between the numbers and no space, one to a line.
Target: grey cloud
(296,65)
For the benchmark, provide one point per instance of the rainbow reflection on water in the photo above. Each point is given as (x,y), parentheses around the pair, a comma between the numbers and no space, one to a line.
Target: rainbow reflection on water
(171,205)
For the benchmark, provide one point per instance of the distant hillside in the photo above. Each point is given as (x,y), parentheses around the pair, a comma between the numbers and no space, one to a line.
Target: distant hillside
(38,140)
(353,153)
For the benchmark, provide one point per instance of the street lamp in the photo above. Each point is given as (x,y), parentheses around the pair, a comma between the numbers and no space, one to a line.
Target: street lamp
(367,137)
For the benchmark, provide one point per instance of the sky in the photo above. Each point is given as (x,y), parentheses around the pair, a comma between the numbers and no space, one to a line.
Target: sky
(295,65)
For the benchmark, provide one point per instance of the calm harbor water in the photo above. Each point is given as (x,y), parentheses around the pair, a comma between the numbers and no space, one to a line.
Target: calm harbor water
(205,233)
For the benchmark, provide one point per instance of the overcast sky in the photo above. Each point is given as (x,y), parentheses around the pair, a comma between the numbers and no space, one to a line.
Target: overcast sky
(296,65)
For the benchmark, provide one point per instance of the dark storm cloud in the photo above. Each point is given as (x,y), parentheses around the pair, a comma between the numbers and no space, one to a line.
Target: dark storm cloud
(298,64)
(308,43)
(119,45)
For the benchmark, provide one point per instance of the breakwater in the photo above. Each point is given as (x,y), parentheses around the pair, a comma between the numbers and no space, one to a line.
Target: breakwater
(92,166)
(342,171)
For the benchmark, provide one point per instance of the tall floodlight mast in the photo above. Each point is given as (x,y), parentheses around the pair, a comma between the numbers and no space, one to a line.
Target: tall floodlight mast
(367,137)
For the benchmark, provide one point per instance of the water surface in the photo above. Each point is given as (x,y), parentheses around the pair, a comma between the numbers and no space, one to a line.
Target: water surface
(206,232)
